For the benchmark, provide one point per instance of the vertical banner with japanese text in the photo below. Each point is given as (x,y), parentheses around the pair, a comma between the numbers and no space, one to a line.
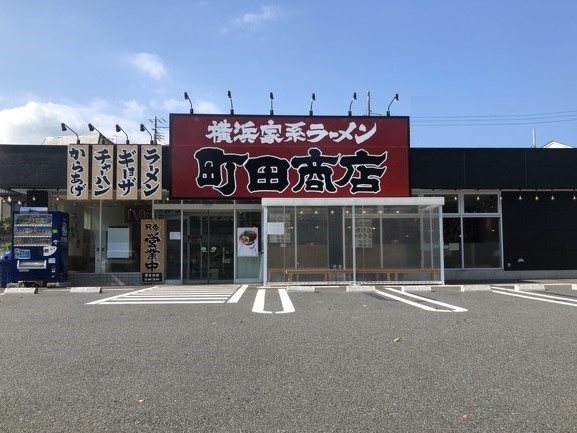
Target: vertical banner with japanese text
(244,156)
(126,172)
(77,167)
(151,172)
(152,250)
(102,172)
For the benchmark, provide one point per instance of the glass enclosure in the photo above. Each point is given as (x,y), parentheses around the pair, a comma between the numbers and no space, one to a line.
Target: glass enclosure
(396,242)
(302,240)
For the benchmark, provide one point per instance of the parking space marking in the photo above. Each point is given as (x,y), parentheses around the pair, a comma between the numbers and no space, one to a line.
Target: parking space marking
(237,295)
(100,301)
(449,308)
(258,306)
(287,305)
(535,296)
(172,295)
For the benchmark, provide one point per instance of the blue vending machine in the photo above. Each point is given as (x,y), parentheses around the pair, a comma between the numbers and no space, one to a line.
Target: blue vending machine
(40,246)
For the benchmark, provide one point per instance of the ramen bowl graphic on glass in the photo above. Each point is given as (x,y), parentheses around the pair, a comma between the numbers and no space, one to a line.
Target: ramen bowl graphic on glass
(247,237)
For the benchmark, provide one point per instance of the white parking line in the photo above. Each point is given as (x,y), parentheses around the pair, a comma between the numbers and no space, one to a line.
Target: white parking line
(258,306)
(534,296)
(172,295)
(287,305)
(165,302)
(236,297)
(100,301)
(450,308)
(178,298)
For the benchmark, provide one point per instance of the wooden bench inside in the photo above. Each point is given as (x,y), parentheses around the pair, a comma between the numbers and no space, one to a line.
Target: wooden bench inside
(330,274)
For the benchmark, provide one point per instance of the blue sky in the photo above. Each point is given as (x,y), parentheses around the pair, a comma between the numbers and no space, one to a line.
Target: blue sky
(509,66)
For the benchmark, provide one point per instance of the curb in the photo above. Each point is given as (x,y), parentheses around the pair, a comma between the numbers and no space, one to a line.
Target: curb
(360,289)
(447,288)
(86,290)
(412,289)
(302,289)
(566,286)
(476,288)
(530,287)
(21,291)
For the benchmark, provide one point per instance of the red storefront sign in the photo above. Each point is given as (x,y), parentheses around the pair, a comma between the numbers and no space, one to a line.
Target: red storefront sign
(231,156)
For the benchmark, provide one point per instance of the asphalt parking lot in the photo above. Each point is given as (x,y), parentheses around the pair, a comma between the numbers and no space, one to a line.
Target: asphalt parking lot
(342,362)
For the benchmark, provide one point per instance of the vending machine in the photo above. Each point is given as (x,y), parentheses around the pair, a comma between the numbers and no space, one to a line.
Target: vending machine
(40,246)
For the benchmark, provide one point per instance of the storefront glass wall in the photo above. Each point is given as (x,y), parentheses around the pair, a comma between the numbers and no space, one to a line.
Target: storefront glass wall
(120,227)
(310,249)
(471,229)
(452,242)
(360,243)
(83,218)
(209,242)
(104,236)
(391,241)
(281,243)
(481,242)
(173,242)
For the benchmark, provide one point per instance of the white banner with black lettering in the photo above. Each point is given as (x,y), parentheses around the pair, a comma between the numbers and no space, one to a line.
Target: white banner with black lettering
(151,172)
(127,172)
(102,172)
(77,172)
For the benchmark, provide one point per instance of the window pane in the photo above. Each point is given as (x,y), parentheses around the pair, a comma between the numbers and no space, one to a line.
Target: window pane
(82,235)
(394,244)
(173,240)
(481,203)
(312,237)
(451,202)
(482,249)
(281,244)
(452,242)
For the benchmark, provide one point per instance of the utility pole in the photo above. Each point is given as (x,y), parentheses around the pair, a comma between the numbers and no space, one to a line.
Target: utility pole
(158,137)
(369,103)
(155,130)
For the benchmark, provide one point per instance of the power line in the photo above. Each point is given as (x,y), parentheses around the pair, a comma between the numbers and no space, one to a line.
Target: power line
(502,123)
(159,137)
(553,114)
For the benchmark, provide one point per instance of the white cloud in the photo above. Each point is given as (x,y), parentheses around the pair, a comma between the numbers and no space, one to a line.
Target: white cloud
(32,122)
(266,13)
(208,107)
(149,64)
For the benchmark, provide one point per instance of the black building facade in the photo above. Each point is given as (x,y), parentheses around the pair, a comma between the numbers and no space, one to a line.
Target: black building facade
(508,213)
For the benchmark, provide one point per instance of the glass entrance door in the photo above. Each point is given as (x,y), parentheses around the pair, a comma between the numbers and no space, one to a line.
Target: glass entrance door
(210,246)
